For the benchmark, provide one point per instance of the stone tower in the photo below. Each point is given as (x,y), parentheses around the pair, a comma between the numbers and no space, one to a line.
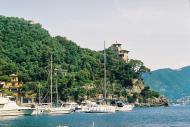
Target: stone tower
(121,53)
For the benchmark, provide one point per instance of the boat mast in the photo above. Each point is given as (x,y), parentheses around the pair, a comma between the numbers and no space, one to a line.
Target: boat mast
(105,75)
(39,97)
(51,76)
(56,87)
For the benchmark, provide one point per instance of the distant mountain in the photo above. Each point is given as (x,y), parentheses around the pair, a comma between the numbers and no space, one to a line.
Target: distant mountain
(173,84)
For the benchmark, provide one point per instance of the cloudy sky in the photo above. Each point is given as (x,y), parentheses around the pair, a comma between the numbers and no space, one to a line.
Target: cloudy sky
(155,31)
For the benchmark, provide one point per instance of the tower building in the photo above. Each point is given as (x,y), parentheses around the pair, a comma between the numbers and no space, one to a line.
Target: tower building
(121,53)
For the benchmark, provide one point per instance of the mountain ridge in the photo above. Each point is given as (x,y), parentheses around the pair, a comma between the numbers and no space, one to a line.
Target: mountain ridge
(172,83)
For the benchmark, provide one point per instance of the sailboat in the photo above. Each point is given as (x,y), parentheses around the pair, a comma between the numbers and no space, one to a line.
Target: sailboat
(101,108)
(40,108)
(56,109)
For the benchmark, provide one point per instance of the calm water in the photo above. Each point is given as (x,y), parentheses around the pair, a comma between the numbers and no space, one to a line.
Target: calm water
(143,117)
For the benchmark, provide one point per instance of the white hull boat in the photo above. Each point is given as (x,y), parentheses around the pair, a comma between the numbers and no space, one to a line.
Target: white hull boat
(92,107)
(39,110)
(16,112)
(101,109)
(63,109)
(10,108)
(59,110)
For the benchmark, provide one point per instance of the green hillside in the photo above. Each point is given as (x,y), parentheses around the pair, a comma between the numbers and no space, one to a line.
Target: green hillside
(174,84)
(25,49)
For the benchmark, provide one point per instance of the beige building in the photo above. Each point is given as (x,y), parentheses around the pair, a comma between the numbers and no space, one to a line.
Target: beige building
(121,53)
(14,85)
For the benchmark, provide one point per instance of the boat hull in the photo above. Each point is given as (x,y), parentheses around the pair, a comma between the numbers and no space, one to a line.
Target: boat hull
(60,110)
(16,112)
(125,108)
(38,111)
(101,109)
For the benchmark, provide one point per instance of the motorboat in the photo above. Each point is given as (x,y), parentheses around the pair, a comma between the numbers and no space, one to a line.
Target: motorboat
(121,106)
(8,107)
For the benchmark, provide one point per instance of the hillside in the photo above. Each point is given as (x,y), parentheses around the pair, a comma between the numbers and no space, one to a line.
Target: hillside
(26,47)
(174,84)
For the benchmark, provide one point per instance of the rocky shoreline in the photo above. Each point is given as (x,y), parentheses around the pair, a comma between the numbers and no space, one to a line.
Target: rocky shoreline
(153,102)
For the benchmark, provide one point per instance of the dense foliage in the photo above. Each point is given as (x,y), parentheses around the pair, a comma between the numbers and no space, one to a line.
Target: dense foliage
(25,49)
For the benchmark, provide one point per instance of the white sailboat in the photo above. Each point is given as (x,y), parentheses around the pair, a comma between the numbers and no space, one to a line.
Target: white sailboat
(95,108)
(10,108)
(60,110)
(101,108)
(56,109)
(40,108)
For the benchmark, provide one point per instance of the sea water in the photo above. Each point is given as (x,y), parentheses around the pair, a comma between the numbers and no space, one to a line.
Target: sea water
(140,117)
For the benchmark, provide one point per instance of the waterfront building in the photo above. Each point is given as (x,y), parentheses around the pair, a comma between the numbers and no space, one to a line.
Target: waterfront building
(14,85)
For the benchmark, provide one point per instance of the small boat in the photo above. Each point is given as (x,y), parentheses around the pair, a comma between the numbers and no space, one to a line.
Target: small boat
(9,107)
(120,106)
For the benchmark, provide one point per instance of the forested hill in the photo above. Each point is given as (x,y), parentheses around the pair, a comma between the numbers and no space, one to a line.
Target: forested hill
(174,84)
(25,49)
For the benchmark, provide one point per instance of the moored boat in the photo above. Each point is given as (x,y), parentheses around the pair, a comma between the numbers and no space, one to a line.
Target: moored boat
(93,107)
(42,108)
(60,109)
(101,109)
(10,108)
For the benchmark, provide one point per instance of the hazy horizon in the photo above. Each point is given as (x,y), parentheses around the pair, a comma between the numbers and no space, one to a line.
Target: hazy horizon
(156,32)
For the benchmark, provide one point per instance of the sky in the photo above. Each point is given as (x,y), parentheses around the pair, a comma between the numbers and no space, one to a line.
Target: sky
(154,31)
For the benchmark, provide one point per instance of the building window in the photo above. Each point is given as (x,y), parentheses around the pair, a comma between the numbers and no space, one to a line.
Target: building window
(13,84)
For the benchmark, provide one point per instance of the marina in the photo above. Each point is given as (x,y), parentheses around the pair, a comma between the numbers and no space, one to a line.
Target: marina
(110,63)
(139,117)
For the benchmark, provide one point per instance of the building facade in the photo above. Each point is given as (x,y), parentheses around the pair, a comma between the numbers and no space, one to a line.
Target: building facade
(121,53)
(14,85)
